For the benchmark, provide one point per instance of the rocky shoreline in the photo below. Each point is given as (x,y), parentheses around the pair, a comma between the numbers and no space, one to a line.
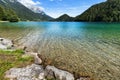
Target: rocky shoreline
(35,71)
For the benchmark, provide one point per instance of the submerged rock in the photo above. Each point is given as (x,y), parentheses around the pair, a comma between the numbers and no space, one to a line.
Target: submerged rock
(6,44)
(84,78)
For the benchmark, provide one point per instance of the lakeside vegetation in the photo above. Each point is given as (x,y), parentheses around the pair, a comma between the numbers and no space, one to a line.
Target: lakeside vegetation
(10,59)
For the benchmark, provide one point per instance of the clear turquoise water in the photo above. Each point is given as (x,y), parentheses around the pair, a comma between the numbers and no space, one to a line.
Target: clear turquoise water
(87,48)
(75,30)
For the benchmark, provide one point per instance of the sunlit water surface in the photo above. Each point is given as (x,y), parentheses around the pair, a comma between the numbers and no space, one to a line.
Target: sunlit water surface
(87,48)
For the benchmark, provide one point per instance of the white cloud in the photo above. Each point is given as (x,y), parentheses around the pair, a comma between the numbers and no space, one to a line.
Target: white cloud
(33,5)
(29,2)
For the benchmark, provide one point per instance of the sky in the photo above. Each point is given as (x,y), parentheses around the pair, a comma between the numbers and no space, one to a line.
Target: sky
(55,8)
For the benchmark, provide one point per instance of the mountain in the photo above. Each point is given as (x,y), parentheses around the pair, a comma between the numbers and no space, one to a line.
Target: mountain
(64,17)
(31,6)
(23,12)
(108,11)
(8,15)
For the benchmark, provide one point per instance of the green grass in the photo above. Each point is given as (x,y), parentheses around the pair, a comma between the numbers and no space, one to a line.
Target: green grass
(10,59)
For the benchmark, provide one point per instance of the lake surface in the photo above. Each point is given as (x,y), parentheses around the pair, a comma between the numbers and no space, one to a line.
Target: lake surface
(87,48)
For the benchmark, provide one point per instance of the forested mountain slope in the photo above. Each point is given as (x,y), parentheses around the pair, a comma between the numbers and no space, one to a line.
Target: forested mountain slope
(23,12)
(108,11)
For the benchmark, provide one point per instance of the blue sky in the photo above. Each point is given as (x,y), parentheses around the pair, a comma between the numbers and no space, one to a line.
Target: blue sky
(55,8)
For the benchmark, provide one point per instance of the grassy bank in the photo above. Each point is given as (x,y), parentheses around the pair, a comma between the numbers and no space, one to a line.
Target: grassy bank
(10,59)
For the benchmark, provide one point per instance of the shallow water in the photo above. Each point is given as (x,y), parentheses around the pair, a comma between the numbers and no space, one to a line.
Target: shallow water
(87,48)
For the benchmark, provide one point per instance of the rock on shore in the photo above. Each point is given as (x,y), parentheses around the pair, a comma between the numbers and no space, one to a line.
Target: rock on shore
(37,72)
(6,44)
(31,72)
(59,74)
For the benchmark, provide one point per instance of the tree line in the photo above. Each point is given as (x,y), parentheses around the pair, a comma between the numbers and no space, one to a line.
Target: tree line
(7,14)
(108,11)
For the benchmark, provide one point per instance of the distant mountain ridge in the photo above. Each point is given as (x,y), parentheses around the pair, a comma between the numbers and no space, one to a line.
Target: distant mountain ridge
(23,12)
(64,17)
(108,11)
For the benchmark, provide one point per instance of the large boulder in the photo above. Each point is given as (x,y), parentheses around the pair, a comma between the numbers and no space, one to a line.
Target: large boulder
(32,72)
(37,72)
(58,74)
(6,43)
